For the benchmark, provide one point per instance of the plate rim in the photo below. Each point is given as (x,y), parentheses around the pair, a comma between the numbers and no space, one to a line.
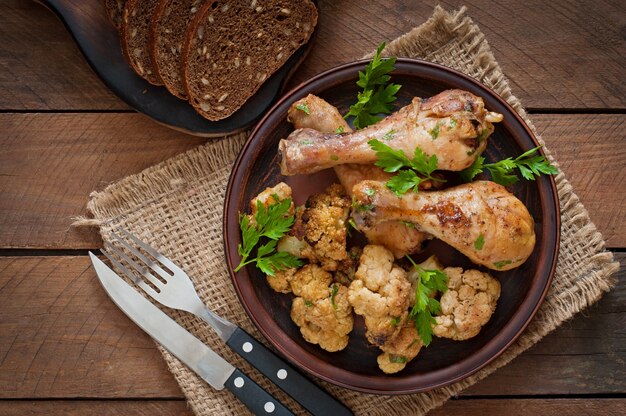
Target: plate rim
(496,343)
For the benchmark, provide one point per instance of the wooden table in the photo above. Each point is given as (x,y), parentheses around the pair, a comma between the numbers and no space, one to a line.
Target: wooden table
(66,349)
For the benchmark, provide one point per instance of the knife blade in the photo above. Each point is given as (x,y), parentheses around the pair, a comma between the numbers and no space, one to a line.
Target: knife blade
(211,367)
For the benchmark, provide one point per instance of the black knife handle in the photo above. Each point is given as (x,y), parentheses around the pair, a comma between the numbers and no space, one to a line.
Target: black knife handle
(308,394)
(253,396)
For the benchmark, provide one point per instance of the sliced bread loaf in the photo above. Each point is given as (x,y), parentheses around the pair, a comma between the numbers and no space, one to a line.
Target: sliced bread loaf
(167,33)
(115,11)
(135,36)
(232,47)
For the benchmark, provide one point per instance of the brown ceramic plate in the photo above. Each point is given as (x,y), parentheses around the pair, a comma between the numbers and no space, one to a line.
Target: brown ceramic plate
(444,361)
(99,42)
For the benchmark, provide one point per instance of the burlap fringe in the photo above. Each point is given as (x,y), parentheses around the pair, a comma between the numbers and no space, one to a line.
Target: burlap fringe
(583,272)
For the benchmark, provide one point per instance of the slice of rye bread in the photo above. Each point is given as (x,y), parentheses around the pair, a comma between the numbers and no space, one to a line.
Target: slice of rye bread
(232,47)
(135,36)
(115,11)
(167,33)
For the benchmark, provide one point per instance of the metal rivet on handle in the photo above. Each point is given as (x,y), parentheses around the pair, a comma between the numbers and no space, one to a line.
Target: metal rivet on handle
(269,407)
(282,374)
(239,382)
(247,347)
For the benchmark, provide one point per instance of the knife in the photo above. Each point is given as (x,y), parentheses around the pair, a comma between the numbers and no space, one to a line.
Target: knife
(212,368)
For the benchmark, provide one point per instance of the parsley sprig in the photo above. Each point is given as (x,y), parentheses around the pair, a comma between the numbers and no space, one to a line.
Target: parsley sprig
(529,164)
(428,282)
(270,223)
(377,97)
(395,161)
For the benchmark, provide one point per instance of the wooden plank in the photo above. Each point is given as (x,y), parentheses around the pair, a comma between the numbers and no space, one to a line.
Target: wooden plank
(560,54)
(95,407)
(471,407)
(61,336)
(51,162)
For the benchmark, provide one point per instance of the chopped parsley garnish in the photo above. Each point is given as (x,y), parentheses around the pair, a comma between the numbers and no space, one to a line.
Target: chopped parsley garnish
(334,157)
(408,224)
(361,207)
(502,263)
(389,135)
(271,222)
(304,108)
(428,283)
(377,97)
(453,123)
(369,192)
(395,161)
(502,172)
(339,130)
(479,243)
(398,359)
(308,303)
(395,320)
(434,132)
(333,294)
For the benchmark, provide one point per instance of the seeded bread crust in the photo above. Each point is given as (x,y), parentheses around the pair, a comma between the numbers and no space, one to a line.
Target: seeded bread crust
(135,38)
(115,11)
(167,33)
(232,47)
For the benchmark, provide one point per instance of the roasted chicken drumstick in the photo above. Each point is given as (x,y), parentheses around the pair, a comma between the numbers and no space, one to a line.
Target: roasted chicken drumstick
(453,125)
(325,118)
(481,219)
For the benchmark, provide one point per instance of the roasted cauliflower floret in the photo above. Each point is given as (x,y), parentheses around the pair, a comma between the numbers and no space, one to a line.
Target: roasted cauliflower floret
(399,350)
(281,281)
(311,282)
(326,321)
(324,222)
(467,305)
(380,293)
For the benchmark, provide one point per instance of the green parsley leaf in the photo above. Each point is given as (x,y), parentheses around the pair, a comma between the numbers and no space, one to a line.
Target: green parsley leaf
(395,161)
(479,243)
(333,294)
(429,282)
(377,97)
(453,123)
(408,224)
(304,108)
(270,222)
(339,130)
(529,165)
(308,303)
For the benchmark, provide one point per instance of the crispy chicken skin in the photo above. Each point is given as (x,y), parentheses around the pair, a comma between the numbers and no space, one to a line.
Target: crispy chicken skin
(380,293)
(481,219)
(467,305)
(325,118)
(453,125)
(399,350)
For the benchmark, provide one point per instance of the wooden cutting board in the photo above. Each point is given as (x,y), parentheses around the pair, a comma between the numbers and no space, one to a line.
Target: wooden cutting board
(99,42)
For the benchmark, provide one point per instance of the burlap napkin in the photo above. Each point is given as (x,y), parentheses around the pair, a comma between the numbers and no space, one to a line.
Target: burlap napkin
(177,207)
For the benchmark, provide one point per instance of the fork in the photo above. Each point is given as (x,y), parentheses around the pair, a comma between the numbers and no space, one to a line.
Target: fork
(173,288)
